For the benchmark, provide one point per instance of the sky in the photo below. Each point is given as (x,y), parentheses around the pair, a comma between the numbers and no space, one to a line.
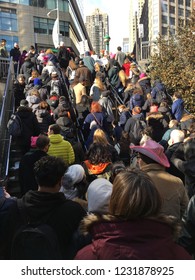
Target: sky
(118,13)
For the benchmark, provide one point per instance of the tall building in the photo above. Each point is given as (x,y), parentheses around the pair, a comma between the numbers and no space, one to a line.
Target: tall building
(126,45)
(164,16)
(135,13)
(26,22)
(97,25)
(158,17)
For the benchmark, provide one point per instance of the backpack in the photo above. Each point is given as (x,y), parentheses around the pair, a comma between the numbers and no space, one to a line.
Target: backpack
(160,96)
(137,131)
(34,241)
(14,125)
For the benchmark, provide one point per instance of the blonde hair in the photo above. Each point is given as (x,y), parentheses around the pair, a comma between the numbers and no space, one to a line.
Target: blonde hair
(97,67)
(35,74)
(35,92)
(123,77)
(49,51)
(99,137)
(99,83)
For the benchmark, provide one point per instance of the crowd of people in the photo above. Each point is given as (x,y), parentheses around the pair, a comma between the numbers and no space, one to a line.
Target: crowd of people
(125,188)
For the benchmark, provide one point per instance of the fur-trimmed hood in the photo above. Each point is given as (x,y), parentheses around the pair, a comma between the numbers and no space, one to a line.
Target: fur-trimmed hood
(143,79)
(139,239)
(187,117)
(88,223)
(157,116)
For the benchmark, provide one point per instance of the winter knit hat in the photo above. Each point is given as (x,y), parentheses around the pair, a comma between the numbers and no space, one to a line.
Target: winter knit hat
(98,196)
(76,172)
(142,75)
(24,102)
(37,82)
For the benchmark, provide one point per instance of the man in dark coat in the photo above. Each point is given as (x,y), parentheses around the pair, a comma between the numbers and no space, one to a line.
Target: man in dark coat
(18,90)
(63,56)
(30,125)
(26,174)
(16,54)
(51,206)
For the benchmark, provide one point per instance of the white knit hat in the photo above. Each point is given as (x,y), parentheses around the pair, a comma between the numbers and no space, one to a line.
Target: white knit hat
(98,196)
(76,172)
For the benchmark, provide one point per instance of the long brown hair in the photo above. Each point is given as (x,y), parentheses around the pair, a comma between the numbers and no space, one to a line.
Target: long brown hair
(134,196)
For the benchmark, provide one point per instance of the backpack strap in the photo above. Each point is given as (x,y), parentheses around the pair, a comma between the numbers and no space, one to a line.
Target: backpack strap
(96,120)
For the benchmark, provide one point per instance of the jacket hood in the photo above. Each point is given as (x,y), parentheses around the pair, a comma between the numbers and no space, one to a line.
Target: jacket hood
(64,121)
(187,117)
(163,109)
(133,239)
(159,86)
(137,97)
(108,223)
(41,203)
(179,101)
(156,116)
(55,138)
(96,169)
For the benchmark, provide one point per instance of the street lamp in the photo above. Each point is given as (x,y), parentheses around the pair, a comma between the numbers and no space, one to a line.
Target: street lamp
(56,27)
(106,41)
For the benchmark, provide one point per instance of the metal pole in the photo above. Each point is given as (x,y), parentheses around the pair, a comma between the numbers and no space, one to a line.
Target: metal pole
(58,21)
(136,39)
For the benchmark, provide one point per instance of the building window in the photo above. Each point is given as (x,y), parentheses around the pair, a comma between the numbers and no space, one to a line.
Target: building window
(38,3)
(180,2)
(180,12)
(10,41)
(11,1)
(172,21)
(172,10)
(164,7)
(45,26)
(164,30)
(41,25)
(188,3)
(23,2)
(64,28)
(164,19)
(8,20)
(188,13)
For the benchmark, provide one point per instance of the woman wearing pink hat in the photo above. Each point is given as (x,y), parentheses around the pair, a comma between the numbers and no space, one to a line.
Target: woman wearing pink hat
(154,162)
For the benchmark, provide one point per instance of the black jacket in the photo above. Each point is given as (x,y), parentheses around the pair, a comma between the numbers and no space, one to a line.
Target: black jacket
(187,237)
(9,219)
(30,126)
(65,215)
(26,173)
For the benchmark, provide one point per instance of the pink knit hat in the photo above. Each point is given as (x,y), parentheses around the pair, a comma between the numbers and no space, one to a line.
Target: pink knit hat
(112,55)
(154,151)
(142,75)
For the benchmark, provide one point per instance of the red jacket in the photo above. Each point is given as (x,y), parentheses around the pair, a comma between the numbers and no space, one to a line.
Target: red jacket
(126,67)
(143,239)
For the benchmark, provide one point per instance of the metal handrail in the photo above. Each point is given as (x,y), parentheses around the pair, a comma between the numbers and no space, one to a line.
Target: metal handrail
(6,110)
